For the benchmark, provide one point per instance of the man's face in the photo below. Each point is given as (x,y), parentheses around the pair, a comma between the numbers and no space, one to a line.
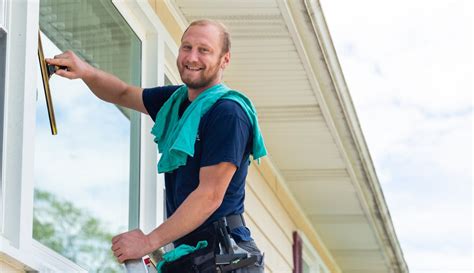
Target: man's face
(200,63)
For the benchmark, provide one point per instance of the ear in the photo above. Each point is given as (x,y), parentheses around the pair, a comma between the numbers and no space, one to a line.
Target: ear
(225,60)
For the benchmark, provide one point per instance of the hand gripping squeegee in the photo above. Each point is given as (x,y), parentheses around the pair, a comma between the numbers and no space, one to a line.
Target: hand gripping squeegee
(47,71)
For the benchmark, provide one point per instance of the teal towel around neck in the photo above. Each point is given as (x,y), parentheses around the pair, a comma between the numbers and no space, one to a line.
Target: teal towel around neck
(179,252)
(176,136)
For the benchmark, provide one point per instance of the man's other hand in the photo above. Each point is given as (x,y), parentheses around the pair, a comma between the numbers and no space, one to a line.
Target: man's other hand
(76,67)
(131,245)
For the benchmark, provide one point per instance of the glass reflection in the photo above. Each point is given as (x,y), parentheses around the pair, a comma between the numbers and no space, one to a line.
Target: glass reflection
(81,175)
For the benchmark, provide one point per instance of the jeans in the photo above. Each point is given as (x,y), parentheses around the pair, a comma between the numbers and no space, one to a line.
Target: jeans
(252,248)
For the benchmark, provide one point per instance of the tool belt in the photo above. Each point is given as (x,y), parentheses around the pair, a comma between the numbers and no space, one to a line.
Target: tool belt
(219,256)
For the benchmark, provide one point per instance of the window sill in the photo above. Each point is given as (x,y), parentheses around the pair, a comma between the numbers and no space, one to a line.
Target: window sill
(14,257)
(35,257)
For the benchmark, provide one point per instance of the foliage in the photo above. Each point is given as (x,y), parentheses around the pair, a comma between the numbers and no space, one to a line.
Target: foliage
(74,233)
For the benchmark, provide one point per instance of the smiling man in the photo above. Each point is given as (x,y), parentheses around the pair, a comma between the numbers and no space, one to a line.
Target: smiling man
(205,133)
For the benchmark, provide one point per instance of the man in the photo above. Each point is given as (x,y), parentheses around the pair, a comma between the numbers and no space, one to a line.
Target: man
(209,182)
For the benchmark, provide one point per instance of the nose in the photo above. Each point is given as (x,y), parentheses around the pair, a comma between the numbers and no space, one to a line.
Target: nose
(192,56)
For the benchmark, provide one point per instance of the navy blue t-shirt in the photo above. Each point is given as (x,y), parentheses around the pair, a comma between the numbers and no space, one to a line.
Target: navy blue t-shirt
(224,135)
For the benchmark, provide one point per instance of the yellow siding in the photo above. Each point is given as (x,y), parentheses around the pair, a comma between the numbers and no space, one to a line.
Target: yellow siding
(272,215)
(170,23)
(152,4)
(269,224)
(7,267)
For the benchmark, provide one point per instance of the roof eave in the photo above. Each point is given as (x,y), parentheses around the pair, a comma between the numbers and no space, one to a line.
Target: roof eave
(334,96)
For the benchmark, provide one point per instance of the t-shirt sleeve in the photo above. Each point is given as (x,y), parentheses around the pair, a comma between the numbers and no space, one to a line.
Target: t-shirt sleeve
(225,135)
(154,98)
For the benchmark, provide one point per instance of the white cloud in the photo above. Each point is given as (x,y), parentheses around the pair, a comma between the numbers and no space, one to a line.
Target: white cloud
(408,65)
(423,49)
(447,260)
(83,166)
(406,134)
(87,163)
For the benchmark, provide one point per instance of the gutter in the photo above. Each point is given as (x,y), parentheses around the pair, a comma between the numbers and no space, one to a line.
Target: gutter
(382,219)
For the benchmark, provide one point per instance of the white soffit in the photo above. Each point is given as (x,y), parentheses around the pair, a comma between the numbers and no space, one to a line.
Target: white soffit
(271,63)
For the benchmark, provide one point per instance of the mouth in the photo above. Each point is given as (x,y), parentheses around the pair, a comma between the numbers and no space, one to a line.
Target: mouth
(193,68)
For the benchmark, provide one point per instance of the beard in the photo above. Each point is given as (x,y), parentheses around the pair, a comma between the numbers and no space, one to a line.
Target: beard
(204,78)
(197,83)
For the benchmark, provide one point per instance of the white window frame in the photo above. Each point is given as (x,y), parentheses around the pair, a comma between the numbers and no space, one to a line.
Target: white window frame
(311,256)
(3,14)
(4,32)
(19,116)
(142,19)
(16,225)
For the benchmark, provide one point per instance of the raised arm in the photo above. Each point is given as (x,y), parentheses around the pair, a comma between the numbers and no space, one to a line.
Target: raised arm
(104,85)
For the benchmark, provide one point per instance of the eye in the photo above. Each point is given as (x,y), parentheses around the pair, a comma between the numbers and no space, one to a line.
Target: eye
(204,50)
(186,47)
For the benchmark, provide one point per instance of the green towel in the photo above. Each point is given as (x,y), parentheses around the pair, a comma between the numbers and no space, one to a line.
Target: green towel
(176,136)
(179,252)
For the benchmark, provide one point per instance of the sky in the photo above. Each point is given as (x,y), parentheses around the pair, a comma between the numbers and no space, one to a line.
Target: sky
(87,162)
(409,68)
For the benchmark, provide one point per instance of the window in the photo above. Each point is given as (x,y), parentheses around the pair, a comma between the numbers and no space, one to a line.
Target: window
(86,177)
(98,33)
(2,13)
(305,257)
(3,49)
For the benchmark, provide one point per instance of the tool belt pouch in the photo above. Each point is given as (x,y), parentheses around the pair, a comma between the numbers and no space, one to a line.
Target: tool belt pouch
(198,262)
(201,261)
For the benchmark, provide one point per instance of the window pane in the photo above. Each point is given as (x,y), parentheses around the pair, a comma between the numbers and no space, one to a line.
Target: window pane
(306,268)
(82,175)
(3,13)
(3,49)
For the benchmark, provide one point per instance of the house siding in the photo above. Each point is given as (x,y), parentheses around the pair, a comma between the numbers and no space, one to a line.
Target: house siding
(9,267)
(272,215)
(269,223)
(6,268)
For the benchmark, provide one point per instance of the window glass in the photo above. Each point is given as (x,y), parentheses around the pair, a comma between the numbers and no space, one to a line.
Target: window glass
(82,175)
(306,268)
(3,49)
(2,13)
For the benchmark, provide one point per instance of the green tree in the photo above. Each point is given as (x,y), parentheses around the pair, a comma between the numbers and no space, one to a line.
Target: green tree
(73,233)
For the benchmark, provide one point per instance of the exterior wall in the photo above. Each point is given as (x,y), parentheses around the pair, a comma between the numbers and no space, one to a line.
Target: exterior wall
(272,215)
(269,223)
(7,265)
(167,18)
(7,268)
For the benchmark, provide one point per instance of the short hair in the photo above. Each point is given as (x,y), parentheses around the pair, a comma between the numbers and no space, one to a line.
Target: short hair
(224,33)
